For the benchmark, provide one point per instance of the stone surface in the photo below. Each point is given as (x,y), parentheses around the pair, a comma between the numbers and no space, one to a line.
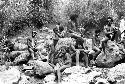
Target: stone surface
(10,76)
(40,67)
(117,72)
(113,55)
(23,57)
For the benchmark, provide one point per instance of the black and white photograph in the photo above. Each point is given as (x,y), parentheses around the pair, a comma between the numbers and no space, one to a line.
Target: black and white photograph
(62,41)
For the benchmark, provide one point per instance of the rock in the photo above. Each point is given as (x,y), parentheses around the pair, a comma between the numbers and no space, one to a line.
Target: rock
(121,82)
(3,68)
(14,54)
(50,79)
(41,68)
(79,75)
(40,46)
(112,56)
(24,79)
(22,58)
(102,81)
(10,76)
(64,42)
(117,72)
(30,80)
(20,46)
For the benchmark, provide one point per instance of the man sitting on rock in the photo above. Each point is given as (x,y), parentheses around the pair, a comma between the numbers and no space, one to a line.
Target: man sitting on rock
(95,48)
(80,53)
(109,33)
(62,61)
(59,33)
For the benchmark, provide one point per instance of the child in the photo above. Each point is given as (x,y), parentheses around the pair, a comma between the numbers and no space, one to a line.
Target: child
(63,60)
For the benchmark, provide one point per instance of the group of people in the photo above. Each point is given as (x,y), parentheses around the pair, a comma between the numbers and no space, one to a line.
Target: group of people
(79,53)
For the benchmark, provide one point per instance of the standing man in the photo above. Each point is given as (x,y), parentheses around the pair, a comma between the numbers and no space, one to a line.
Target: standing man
(122,27)
(32,44)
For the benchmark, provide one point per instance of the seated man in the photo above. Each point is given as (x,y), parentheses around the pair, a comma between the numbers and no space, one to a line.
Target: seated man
(83,53)
(95,47)
(80,49)
(62,61)
(59,33)
(109,33)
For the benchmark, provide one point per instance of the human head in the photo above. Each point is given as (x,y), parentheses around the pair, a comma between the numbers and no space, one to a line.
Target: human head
(109,21)
(61,28)
(63,49)
(34,33)
(58,23)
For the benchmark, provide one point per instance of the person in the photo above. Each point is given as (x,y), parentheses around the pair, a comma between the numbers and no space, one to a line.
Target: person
(31,43)
(108,32)
(117,35)
(80,54)
(59,33)
(62,61)
(122,26)
(95,51)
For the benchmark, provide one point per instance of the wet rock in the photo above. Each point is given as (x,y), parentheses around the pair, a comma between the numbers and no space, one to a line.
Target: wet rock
(10,76)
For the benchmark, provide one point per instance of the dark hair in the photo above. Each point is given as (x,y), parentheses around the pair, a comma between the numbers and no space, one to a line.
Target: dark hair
(61,28)
(65,48)
(79,41)
(110,18)
(34,33)
(97,31)
(58,23)
(55,29)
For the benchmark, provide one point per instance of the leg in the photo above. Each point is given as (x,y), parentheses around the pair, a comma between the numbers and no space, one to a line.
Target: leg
(61,69)
(86,60)
(55,42)
(103,43)
(97,52)
(77,57)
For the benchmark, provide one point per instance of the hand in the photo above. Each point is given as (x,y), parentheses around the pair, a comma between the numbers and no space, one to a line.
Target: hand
(77,51)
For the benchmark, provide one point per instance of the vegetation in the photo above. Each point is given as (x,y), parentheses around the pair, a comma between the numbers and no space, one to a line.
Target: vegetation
(20,14)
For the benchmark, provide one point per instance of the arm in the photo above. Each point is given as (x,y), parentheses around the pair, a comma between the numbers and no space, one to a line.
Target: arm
(107,32)
(68,59)
(59,35)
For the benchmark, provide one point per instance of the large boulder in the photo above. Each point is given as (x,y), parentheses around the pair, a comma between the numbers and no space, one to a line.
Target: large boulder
(64,42)
(24,57)
(20,46)
(79,75)
(41,68)
(11,76)
(113,55)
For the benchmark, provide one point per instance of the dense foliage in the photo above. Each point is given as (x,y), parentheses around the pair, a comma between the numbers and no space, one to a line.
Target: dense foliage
(19,14)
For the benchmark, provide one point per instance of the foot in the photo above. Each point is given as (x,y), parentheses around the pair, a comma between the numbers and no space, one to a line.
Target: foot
(92,62)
